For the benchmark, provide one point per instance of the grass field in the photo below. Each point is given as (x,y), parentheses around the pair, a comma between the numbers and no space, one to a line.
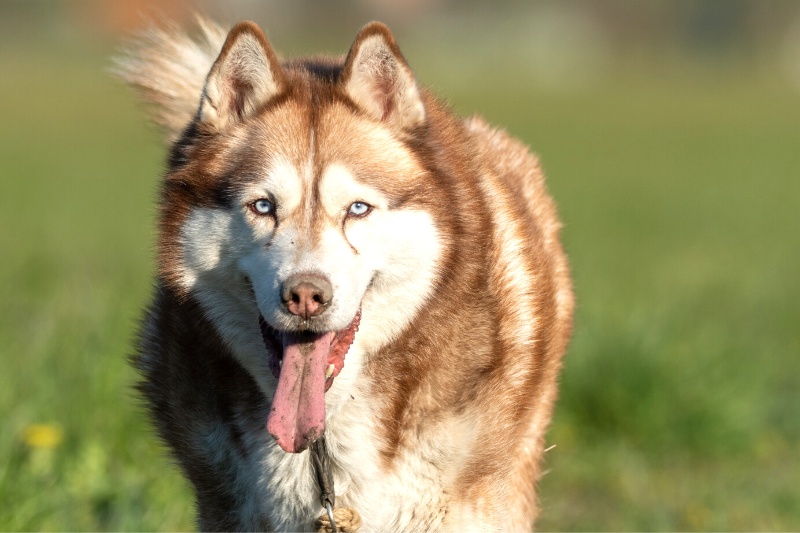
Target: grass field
(680,397)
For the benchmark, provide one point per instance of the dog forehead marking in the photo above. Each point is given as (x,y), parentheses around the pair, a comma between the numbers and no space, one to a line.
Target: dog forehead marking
(284,182)
(338,188)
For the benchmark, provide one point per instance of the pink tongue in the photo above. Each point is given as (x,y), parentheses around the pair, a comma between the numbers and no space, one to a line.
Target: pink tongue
(297,415)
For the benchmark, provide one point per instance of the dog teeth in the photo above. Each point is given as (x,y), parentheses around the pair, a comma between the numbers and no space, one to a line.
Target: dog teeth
(329,371)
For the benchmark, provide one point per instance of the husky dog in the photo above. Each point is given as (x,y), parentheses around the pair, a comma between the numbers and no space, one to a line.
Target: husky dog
(341,260)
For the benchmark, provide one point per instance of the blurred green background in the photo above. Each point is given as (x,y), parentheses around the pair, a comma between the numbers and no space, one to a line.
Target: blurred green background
(670,133)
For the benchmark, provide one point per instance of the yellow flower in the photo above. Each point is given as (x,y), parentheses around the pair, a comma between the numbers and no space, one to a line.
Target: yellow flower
(47,436)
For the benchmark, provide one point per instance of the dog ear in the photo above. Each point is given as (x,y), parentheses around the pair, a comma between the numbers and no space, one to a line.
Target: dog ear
(245,76)
(378,80)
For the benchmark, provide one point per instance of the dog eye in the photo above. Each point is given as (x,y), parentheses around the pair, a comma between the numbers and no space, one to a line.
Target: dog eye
(359,209)
(262,206)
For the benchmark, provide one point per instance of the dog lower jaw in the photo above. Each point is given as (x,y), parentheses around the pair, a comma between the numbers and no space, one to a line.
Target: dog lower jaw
(274,341)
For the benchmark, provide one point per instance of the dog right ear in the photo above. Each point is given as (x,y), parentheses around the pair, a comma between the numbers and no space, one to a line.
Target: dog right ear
(245,76)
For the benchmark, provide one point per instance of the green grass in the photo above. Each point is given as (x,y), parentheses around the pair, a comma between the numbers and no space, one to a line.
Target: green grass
(79,171)
(680,393)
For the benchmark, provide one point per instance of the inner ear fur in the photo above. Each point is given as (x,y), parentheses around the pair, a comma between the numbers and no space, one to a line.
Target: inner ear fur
(245,76)
(378,80)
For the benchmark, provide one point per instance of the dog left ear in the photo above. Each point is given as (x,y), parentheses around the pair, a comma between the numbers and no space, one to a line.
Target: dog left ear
(377,79)
(245,76)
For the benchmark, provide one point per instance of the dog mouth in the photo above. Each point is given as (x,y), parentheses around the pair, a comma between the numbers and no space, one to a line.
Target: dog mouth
(305,364)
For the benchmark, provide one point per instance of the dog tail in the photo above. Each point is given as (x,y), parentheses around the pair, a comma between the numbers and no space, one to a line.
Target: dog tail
(168,68)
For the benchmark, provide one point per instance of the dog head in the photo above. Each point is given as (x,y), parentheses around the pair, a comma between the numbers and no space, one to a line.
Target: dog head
(295,199)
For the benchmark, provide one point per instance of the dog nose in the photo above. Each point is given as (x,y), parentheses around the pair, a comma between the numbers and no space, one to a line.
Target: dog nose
(306,295)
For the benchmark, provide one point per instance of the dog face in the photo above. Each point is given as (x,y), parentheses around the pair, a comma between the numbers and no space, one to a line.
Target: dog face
(333,205)
(340,215)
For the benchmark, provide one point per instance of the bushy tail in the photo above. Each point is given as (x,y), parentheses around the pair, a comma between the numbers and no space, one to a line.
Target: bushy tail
(168,68)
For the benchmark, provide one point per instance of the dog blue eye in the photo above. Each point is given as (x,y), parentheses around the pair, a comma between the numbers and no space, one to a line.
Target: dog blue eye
(359,209)
(262,206)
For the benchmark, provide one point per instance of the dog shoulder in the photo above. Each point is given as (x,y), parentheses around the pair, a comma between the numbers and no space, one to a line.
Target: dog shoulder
(512,177)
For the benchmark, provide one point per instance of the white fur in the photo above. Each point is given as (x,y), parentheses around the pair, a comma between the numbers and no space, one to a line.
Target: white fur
(283,182)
